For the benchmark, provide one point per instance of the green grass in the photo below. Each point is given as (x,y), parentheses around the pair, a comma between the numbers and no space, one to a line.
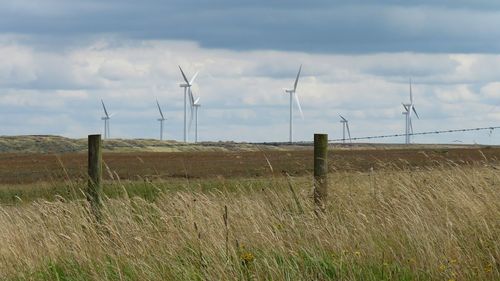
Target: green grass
(303,266)
(149,190)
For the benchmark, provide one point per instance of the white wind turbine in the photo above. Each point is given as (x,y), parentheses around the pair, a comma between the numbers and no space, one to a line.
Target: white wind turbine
(106,119)
(293,96)
(345,126)
(161,119)
(195,105)
(187,86)
(409,108)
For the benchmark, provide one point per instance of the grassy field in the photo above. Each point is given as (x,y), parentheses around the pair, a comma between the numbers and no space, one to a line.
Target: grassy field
(434,223)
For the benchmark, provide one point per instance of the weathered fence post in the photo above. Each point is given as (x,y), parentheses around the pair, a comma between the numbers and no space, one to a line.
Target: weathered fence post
(95,175)
(320,170)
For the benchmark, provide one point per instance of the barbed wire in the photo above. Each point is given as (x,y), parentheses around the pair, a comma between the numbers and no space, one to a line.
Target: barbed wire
(416,134)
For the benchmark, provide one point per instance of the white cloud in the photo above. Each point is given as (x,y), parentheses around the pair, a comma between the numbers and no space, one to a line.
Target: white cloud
(16,64)
(455,94)
(241,92)
(491,90)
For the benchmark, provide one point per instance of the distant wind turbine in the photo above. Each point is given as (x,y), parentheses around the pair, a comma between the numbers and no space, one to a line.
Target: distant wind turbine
(345,126)
(161,119)
(409,108)
(106,119)
(293,96)
(187,86)
(195,105)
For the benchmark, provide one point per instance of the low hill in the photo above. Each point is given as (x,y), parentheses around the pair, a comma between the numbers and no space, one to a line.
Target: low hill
(58,144)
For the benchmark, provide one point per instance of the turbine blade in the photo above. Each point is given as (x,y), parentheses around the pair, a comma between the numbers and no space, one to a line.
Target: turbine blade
(348,131)
(193,78)
(298,104)
(104,107)
(183,75)
(191,116)
(196,102)
(159,109)
(297,79)
(342,117)
(414,110)
(405,107)
(191,97)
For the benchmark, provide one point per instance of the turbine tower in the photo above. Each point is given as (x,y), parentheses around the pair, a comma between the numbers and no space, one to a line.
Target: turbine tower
(345,126)
(293,96)
(187,86)
(195,105)
(106,119)
(161,119)
(409,108)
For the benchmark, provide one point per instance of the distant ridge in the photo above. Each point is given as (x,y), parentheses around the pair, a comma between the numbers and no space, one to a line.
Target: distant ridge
(58,144)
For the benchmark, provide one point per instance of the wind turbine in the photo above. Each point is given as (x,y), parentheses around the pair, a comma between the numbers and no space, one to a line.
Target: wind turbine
(161,119)
(106,119)
(409,108)
(293,96)
(187,86)
(345,125)
(195,105)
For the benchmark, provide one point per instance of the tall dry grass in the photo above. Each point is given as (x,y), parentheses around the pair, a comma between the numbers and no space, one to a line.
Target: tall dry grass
(437,224)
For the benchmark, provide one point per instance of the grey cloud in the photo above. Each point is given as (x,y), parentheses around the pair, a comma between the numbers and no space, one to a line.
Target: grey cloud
(319,26)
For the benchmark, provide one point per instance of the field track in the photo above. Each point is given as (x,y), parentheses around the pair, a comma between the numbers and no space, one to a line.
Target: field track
(28,168)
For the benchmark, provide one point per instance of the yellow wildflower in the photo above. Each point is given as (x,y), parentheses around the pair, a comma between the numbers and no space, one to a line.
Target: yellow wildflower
(247,258)
(442,267)
(488,268)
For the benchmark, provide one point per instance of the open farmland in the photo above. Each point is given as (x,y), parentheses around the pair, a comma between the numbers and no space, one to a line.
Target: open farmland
(222,160)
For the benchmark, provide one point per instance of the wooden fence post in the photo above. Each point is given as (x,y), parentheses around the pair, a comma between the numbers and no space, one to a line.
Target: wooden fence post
(95,175)
(320,170)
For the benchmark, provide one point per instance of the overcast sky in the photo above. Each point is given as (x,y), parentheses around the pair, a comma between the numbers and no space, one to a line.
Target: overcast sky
(58,58)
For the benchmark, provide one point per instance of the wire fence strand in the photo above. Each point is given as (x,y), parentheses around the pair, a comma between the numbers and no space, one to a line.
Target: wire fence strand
(417,134)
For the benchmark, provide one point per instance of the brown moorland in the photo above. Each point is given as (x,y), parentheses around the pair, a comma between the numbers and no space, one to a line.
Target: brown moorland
(22,168)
